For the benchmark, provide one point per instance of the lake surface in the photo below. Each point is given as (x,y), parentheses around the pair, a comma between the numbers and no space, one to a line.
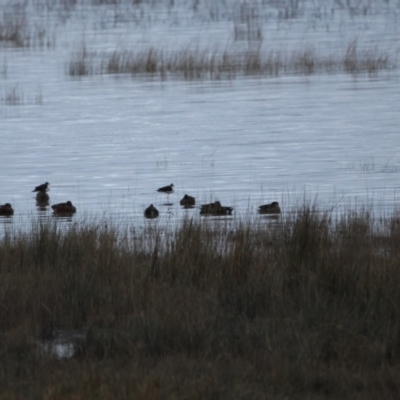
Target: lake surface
(107,142)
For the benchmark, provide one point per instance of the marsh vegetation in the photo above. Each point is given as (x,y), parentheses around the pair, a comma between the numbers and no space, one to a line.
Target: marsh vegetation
(198,64)
(305,305)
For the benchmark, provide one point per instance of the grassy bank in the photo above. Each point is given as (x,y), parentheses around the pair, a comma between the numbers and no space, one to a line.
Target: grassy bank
(307,307)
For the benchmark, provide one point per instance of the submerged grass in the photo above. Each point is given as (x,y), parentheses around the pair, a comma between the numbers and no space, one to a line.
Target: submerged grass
(306,307)
(14,96)
(195,64)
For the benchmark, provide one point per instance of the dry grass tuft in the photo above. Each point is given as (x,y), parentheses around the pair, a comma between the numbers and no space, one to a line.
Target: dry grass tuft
(81,63)
(307,306)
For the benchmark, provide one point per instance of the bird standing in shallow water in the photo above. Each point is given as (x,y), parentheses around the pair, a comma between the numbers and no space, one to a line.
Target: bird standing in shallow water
(6,209)
(166,189)
(42,198)
(151,212)
(45,187)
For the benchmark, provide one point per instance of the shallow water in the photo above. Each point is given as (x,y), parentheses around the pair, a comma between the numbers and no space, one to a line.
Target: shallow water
(108,142)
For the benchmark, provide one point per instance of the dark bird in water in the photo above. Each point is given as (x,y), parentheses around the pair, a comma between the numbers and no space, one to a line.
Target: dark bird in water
(42,198)
(215,209)
(6,209)
(151,212)
(45,187)
(187,201)
(64,208)
(272,208)
(166,189)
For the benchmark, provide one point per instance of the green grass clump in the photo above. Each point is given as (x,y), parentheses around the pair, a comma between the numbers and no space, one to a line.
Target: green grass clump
(305,307)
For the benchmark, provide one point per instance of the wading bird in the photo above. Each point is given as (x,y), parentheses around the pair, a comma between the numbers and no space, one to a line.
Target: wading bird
(166,189)
(42,198)
(45,187)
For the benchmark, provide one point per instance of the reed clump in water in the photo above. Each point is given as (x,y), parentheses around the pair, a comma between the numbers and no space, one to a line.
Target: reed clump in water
(18,29)
(193,63)
(14,31)
(81,63)
(307,306)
